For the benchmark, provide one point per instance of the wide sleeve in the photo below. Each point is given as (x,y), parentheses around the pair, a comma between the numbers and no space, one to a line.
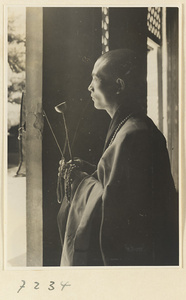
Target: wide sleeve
(85,203)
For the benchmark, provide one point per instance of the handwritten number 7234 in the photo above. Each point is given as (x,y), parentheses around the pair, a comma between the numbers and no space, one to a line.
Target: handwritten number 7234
(37,285)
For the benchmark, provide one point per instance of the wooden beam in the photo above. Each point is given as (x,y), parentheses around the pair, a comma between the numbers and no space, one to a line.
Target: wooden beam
(34,126)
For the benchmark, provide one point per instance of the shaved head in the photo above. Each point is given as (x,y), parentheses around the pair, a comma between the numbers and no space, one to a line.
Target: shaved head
(124,64)
(118,63)
(117,76)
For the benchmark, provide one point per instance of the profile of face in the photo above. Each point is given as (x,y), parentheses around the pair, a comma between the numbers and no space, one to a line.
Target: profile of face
(103,87)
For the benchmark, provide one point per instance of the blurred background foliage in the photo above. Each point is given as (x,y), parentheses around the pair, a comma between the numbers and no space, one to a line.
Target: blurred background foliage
(16,62)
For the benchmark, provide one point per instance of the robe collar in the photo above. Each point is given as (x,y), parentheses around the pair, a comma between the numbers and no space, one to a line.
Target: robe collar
(121,113)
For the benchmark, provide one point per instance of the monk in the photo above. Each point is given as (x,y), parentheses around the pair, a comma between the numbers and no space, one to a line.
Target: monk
(124,211)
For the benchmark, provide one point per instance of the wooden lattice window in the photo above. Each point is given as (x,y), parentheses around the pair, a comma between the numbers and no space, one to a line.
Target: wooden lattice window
(154,24)
(105,29)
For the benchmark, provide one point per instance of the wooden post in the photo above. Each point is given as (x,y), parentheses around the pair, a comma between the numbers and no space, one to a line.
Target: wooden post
(172,89)
(34,126)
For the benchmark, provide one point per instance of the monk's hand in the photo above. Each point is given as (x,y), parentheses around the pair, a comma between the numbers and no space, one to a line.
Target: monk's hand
(72,175)
(84,166)
(62,168)
(70,170)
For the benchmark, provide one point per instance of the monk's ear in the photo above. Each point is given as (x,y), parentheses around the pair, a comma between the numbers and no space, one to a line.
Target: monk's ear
(120,85)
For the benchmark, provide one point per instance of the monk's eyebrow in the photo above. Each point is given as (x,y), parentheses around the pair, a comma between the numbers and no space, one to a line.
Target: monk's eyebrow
(95,75)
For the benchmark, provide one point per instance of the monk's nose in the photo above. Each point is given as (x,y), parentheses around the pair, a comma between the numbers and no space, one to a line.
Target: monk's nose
(90,88)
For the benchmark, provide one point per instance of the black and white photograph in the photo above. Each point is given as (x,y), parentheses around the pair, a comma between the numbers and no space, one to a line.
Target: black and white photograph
(93,120)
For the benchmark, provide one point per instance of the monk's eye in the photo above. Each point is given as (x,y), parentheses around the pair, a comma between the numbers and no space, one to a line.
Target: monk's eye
(97,79)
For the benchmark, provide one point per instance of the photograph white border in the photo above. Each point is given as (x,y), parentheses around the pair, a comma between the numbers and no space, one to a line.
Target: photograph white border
(99,283)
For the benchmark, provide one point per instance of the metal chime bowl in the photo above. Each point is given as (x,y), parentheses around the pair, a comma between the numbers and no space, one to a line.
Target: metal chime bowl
(61,108)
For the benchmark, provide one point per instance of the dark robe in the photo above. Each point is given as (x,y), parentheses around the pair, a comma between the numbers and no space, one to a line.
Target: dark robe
(126,213)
